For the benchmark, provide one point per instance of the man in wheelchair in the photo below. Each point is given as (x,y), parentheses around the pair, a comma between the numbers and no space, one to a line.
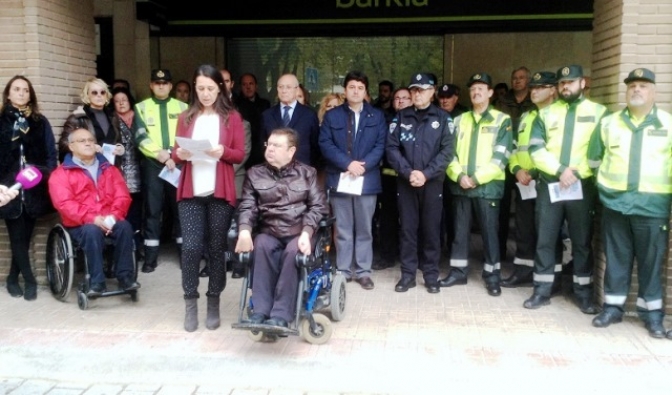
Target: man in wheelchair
(92,199)
(283,203)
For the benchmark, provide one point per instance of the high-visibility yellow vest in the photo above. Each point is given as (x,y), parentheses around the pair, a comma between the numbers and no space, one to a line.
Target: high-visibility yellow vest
(560,136)
(155,124)
(520,157)
(636,163)
(482,151)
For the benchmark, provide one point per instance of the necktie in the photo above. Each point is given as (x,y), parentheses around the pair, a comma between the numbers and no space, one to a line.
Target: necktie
(285,116)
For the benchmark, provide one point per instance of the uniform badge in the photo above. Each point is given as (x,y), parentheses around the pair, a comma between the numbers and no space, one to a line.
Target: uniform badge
(639,73)
(537,77)
(476,77)
(406,127)
(418,77)
(435,125)
(160,74)
(451,127)
(565,71)
(392,127)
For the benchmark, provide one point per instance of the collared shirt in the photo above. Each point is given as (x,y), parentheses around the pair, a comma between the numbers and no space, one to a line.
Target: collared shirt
(92,168)
(291,105)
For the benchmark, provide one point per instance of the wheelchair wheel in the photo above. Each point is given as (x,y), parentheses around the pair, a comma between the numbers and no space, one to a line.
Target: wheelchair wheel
(60,262)
(82,300)
(337,297)
(321,334)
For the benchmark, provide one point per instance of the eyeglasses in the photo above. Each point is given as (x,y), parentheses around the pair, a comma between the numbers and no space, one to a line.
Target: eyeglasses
(276,145)
(96,93)
(90,140)
(286,87)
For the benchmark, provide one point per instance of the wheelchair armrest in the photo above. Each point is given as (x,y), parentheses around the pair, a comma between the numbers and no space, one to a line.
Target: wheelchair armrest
(305,261)
(327,221)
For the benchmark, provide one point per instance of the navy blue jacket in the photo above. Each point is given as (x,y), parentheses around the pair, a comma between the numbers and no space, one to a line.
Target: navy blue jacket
(421,140)
(304,121)
(368,145)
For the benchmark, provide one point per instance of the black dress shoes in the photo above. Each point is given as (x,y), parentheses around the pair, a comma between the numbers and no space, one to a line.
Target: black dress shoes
(237,273)
(148,267)
(536,301)
(517,280)
(257,318)
(205,272)
(365,282)
(433,287)
(31,292)
(493,289)
(656,329)
(451,280)
(277,321)
(14,290)
(404,284)
(607,317)
(586,306)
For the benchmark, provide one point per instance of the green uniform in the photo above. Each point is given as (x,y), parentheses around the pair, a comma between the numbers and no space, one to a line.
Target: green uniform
(559,139)
(635,187)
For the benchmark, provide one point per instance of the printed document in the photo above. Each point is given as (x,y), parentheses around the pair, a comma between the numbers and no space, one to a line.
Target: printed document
(197,148)
(527,191)
(350,185)
(574,192)
(170,176)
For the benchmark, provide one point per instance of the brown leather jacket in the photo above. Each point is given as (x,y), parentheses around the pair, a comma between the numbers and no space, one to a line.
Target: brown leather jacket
(281,202)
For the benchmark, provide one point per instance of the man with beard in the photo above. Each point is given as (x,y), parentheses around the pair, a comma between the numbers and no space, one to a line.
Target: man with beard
(559,149)
(635,188)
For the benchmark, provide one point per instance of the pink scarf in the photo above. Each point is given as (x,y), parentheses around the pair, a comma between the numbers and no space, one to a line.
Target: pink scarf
(127,117)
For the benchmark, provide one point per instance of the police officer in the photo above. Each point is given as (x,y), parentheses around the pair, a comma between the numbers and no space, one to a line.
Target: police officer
(635,187)
(482,149)
(419,148)
(558,146)
(543,92)
(154,124)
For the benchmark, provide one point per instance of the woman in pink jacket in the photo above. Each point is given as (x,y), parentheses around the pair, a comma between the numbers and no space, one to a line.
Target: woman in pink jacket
(206,193)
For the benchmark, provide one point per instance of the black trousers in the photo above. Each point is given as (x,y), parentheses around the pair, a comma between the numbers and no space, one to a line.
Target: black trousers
(487,215)
(156,192)
(420,213)
(20,232)
(550,216)
(505,213)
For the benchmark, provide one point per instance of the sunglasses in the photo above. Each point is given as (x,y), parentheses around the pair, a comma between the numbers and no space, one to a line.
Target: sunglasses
(96,93)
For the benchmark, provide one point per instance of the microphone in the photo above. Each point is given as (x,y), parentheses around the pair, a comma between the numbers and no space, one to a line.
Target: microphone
(27,178)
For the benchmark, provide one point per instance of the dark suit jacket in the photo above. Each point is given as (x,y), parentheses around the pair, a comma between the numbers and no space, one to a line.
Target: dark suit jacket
(304,121)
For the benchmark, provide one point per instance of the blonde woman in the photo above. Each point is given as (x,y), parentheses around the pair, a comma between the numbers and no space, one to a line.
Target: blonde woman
(328,102)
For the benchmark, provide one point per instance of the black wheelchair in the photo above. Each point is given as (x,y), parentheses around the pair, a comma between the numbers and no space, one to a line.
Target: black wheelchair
(63,257)
(321,288)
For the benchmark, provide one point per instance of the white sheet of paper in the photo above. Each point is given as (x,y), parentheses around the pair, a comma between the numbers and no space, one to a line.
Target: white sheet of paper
(172,177)
(350,185)
(574,192)
(197,148)
(108,152)
(527,191)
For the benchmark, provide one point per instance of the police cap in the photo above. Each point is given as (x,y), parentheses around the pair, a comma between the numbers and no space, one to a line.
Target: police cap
(641,74)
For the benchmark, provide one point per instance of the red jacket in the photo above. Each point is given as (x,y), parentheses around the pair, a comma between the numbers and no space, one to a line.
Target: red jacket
(232,137)
(79,200)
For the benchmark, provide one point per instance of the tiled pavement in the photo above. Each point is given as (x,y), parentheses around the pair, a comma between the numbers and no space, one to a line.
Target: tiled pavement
(458,341)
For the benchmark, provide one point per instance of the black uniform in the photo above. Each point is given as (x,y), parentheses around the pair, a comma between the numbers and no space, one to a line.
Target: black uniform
(420,140)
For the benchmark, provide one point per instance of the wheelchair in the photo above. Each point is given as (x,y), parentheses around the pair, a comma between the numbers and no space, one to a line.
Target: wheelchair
(63,256)
(321,288)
